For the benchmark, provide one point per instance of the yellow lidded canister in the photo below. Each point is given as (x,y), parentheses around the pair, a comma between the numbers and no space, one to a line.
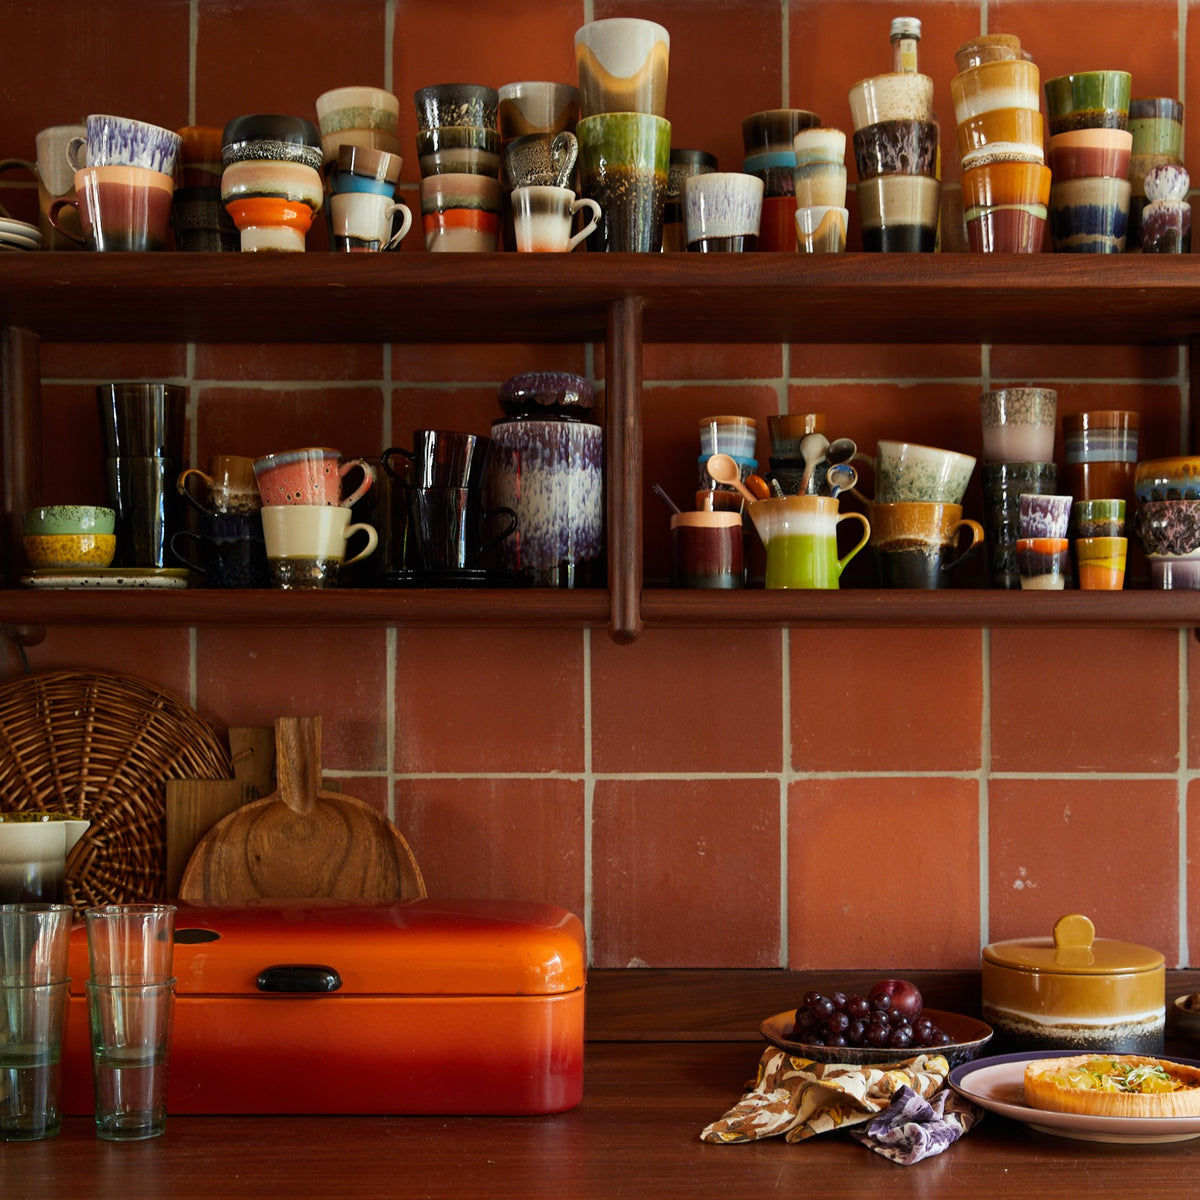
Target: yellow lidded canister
(1075,991)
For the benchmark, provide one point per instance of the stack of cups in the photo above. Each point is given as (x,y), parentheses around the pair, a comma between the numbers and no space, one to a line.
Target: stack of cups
(233,552)
(895,149)
(1005,181)
(1018,451)
(733,435)
(1100,452)
(131,1005)
(820,190)
(1089,150)
(271,185)
(1097,533)
(624,136)
(449,528)
(458,150)
(768,139)
(197,214)
(305,517)
(124,176)
(34,988)
(361,165)
(1165,223)
(684,164)
(1156,127)
(532,115)
(1043,550)
(142,425)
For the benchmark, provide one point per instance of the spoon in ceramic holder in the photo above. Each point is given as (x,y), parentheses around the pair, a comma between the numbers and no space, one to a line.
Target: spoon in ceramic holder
(813,449)
(723,469)
(841,450)
(840,477)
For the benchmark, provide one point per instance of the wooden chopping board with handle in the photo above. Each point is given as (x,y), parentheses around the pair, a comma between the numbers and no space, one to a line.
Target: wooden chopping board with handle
(302,842)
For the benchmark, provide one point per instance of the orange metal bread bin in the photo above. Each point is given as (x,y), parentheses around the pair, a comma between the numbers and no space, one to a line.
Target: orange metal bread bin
(444,1006)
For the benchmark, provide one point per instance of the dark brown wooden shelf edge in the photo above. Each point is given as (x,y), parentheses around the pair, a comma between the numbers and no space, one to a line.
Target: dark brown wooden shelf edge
(413,297)
(659,608)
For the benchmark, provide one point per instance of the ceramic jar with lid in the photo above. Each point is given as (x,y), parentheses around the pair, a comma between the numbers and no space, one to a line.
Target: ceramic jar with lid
(1075,991)
(547,464)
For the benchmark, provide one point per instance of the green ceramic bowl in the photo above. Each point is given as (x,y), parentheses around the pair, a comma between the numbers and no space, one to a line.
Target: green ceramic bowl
(1088,100)
(55,520)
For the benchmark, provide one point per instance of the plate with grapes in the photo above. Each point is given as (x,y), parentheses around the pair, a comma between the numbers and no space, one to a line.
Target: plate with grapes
(967,1039)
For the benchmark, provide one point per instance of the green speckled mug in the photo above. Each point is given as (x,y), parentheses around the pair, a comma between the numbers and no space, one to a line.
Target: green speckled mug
(624,160)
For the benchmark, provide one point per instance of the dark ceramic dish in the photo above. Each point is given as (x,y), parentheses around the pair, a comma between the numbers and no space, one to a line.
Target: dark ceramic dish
(271,137)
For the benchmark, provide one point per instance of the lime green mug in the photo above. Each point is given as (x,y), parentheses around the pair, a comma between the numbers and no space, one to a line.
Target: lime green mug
(800,534)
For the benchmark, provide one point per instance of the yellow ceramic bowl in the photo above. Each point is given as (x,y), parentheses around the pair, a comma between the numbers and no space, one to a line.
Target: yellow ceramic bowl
(70,550)
(1005,183)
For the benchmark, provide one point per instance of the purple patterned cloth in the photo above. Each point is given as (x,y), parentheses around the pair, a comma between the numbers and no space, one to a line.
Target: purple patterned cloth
(912,1128)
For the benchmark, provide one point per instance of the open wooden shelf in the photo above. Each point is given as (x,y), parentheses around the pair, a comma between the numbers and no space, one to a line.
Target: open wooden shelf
(625,301)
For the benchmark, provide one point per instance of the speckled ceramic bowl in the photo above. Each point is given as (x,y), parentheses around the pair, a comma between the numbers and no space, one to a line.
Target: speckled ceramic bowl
(54,519)
(70,549)
(1168,526)
(443,104)
(1167,479)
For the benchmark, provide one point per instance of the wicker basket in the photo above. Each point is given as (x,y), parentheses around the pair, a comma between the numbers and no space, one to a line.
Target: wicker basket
(102,746)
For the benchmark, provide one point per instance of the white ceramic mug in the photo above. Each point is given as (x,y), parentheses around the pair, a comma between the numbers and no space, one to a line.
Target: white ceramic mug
(307,543)
(542,217)
(363,221)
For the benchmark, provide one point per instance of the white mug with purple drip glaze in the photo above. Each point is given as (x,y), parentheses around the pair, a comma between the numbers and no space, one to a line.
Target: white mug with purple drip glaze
(123,142)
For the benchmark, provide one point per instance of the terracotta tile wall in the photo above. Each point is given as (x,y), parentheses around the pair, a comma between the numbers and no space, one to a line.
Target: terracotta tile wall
(804,798)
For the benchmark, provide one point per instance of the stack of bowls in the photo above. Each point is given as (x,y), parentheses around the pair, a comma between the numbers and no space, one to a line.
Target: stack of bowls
(1156,127)
(1005,182)
(768,139)
(1167,520)
(1018,450)
(271,183)
(896,152)
(820,187)
(69,536)
(1088,114)
(1166,219)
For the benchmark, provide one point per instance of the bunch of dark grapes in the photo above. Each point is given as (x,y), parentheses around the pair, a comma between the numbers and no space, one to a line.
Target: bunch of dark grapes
(841,1020)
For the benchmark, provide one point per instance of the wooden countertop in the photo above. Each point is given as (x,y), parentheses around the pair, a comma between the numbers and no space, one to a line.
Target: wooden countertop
(635,1135)
(668,1052)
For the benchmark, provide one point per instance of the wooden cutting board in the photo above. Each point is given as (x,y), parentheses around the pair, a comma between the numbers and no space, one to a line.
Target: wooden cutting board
(301,842)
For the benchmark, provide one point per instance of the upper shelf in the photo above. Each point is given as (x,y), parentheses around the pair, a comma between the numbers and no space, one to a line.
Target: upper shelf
(413,297)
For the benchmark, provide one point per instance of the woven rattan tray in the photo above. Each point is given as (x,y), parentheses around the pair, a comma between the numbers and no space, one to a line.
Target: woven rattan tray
(102,746)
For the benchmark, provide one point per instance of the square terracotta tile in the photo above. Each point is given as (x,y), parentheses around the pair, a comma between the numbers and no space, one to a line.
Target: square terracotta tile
(1160,411)
(128,57)
(1060,700)
(161,657)
(109,362)
(1014,364)
(916,696)
(257,421)
(502,839)
(1102,847)
(1192,684)
(235,76)
(726,63)
(250,676)
(467,408)
(656,707)
(257,362)
(697,885)
(707,360)
(482,362)
(489,701)
(897,361)
(854,909)
(1060,42)
(73,469)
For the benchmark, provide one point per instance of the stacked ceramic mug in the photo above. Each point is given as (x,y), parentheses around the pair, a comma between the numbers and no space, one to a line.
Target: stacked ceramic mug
(1005,181)
(820,187)
(768,139)
(623,134)
(1088,114)
(896,153)
(1156,129)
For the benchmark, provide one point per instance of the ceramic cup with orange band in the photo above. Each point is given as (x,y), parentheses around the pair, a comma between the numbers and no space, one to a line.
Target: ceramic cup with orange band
(460,212)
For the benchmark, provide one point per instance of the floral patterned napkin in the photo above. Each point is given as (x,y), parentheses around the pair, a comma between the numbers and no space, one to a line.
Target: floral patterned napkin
(905,1110)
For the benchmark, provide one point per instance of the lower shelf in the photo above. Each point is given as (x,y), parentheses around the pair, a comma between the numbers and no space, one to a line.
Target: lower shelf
(540,608)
